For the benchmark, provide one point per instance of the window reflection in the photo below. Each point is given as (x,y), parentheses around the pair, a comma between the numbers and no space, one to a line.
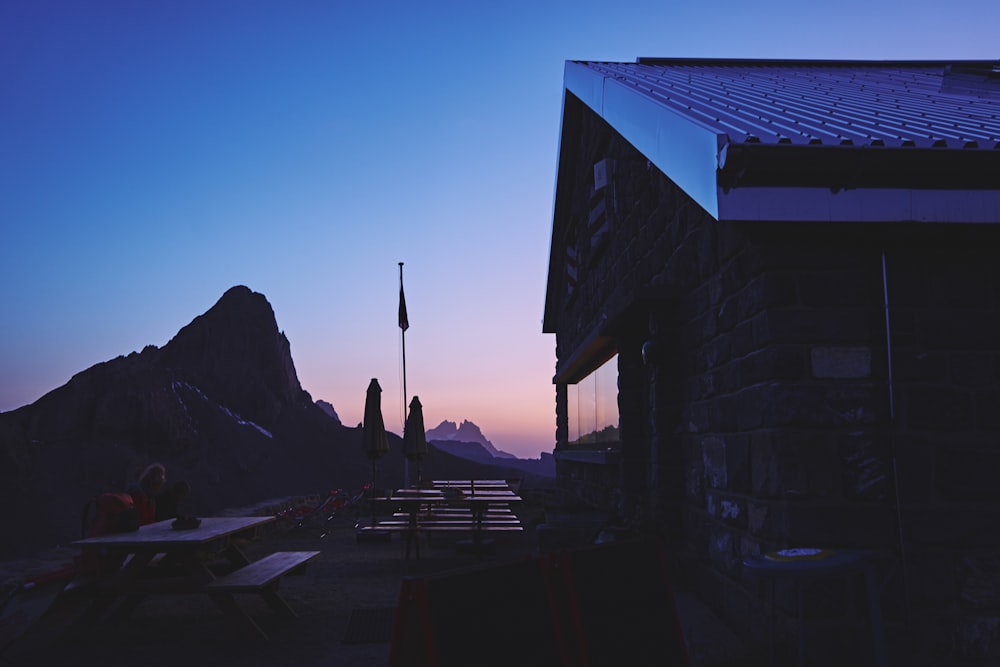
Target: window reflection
(593,408)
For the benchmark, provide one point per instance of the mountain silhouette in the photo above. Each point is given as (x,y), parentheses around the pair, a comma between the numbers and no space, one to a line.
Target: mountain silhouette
(220,405)
(465,432)
(466,440)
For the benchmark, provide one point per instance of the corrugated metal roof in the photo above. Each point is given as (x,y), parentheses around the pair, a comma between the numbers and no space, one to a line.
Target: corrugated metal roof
(846,139)
(920,104)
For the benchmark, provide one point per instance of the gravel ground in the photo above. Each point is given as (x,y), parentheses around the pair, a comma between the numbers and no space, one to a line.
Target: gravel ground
(347,578)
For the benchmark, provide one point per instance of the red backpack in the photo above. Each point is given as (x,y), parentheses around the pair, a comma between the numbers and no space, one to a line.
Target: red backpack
(112,513)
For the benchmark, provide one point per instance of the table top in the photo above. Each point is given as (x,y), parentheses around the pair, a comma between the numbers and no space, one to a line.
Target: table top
(483,483)
(414,498)
(162,534)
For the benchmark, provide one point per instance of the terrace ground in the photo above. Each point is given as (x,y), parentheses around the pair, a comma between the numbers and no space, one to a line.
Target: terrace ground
(346,602)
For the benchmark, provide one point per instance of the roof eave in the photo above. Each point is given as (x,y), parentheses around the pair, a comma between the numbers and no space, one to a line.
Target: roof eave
(686,152)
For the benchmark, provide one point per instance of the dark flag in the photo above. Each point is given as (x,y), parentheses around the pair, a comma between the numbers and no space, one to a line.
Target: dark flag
(404,322)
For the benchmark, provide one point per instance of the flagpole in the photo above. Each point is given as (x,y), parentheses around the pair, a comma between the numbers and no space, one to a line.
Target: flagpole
(404,324)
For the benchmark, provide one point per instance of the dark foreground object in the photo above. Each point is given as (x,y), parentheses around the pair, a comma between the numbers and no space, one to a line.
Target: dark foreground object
(347,605)
(602,605)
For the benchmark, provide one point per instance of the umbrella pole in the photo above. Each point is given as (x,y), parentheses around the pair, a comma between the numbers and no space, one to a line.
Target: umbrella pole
(406,461)
(372,499)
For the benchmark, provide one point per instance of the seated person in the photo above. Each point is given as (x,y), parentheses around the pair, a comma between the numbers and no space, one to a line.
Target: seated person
(144,492)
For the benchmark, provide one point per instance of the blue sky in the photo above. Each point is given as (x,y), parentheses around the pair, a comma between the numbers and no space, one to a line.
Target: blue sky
(154,154)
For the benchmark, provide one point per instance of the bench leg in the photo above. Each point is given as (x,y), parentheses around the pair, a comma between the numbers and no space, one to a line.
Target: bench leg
(235,555)
(412,538)
(226,603)
(277,603)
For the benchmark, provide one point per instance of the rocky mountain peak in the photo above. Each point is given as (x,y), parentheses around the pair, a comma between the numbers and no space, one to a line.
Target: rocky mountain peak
(464,432)
(467,431)
(235,350)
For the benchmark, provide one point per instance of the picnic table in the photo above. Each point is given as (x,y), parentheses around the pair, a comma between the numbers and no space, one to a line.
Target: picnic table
(159,559)
(470,506)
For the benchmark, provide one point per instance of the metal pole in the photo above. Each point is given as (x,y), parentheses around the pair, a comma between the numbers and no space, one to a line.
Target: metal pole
(892,449)
(888,341)
(406,461)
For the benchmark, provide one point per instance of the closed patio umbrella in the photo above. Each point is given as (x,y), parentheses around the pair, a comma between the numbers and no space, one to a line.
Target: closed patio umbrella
(373,431)
(414,435)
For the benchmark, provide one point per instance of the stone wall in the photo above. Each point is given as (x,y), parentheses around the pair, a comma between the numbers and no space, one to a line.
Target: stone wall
(769,417)
(944,293)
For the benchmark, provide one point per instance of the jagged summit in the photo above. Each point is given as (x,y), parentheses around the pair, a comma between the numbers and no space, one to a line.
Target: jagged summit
(464,432)
(236,350)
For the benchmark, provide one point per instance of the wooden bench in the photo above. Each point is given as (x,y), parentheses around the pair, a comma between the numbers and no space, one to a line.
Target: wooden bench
(435,516)
(450,525)
(262,573)
(262,577)
(465,525)
(459,511)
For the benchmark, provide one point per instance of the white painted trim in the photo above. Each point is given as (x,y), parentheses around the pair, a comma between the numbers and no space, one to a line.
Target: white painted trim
(787,204)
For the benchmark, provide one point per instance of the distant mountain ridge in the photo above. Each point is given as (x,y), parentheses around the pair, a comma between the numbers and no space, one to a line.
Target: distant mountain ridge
(467,441)
(465,432)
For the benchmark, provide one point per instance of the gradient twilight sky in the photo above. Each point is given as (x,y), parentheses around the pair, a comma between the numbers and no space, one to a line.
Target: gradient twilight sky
(154,154)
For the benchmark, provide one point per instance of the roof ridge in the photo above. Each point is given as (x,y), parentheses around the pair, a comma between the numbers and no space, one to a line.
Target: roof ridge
(784,62)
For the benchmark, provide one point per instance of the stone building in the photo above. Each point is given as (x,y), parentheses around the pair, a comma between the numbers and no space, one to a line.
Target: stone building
(775,290)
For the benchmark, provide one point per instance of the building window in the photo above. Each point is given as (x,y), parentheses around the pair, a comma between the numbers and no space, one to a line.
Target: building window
(592,407)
